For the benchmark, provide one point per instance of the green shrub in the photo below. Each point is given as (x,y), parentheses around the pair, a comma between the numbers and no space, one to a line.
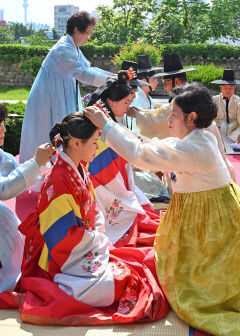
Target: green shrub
(32,65)
(205,74)
(106,49)
(15,53)
(130,52)
(199,51)
(13,128)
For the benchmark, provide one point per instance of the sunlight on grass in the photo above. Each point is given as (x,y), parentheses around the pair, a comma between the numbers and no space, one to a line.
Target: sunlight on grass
(14,93)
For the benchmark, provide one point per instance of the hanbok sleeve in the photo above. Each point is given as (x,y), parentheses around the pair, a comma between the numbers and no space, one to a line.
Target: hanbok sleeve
(153,155)
(215,131)
(154,123)
(77,65)
(18,179)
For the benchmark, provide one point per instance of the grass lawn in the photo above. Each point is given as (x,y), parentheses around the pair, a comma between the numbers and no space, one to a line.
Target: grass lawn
(14,93)
(18,93)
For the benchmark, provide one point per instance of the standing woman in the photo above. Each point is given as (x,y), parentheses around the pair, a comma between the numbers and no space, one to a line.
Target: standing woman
(197,243)
(55,92)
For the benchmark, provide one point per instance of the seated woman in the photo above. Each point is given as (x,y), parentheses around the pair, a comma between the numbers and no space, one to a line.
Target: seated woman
(130,218)
(197,243)
(68,275)
(14,179)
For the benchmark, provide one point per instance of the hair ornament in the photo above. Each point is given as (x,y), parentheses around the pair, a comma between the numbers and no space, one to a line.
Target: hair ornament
(123,76)
(102,106)
(131,73)
(57,140)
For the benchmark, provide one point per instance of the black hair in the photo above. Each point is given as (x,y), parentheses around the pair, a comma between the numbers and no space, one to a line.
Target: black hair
(73,125)
(145,75)
(181,76)
(80,20)
(3,112)
(113,89)
(198,99)
(116,92)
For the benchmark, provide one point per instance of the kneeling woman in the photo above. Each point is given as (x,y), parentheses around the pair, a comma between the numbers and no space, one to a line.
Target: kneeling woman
(68,275)
(130,218)
(197,243)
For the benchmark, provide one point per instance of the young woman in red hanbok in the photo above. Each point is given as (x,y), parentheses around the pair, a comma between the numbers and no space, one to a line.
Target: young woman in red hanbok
(69,276)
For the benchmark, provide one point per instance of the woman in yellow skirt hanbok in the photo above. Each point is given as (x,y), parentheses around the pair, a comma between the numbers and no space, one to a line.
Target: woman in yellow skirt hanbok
(197,246)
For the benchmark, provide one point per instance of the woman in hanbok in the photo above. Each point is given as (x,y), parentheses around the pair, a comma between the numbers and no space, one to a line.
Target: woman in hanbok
(55,91)
(14,179)
(130,218)
(69,277)
(197,246)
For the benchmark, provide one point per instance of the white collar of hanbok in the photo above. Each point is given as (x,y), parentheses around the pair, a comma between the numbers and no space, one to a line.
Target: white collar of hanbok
(224,101)
(192,133)
(66,158)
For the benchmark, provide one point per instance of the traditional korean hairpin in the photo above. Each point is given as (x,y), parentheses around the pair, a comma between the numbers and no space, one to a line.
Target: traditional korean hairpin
(124,76)
(102,106)
(57,140)
(131,73)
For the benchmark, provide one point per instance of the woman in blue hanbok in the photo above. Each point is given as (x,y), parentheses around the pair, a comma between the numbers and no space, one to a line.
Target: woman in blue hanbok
(55,92)
(14,179)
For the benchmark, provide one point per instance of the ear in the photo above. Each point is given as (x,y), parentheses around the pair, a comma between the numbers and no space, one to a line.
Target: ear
(177,82)
(191,118)
(75,30)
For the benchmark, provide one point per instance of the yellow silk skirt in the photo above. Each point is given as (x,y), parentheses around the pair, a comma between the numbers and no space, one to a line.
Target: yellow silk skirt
(197,250)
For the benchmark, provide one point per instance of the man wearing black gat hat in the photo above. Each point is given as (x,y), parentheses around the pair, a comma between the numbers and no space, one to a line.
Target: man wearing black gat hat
(145,72)
(154,123)
(228,117)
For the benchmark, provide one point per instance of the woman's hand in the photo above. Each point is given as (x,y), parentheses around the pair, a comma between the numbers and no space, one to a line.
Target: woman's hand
(132,111)
(43,154)
(97,117)
(238,139)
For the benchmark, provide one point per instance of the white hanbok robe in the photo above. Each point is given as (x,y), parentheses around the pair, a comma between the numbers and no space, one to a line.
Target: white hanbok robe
(232,130)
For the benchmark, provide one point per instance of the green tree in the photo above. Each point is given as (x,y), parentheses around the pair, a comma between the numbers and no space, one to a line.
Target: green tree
(124,22)
(179,21)
(194,21)
(39,40)
(224,18)
(56,36)
(6,36)
(19,30)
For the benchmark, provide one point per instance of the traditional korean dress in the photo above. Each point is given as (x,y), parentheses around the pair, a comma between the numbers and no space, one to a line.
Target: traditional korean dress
(130,219)
(14,179)
(53,94)
(231,129)
(197,245)
(68,275)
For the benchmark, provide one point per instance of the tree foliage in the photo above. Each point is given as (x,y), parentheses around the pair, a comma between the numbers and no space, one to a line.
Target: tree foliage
(19,30)
(170,21)
(124,22)
(6,36)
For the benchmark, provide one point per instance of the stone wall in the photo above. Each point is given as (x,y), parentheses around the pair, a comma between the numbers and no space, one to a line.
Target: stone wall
(11,76)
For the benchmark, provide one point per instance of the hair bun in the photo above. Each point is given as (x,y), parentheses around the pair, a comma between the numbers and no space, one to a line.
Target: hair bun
(123,76)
